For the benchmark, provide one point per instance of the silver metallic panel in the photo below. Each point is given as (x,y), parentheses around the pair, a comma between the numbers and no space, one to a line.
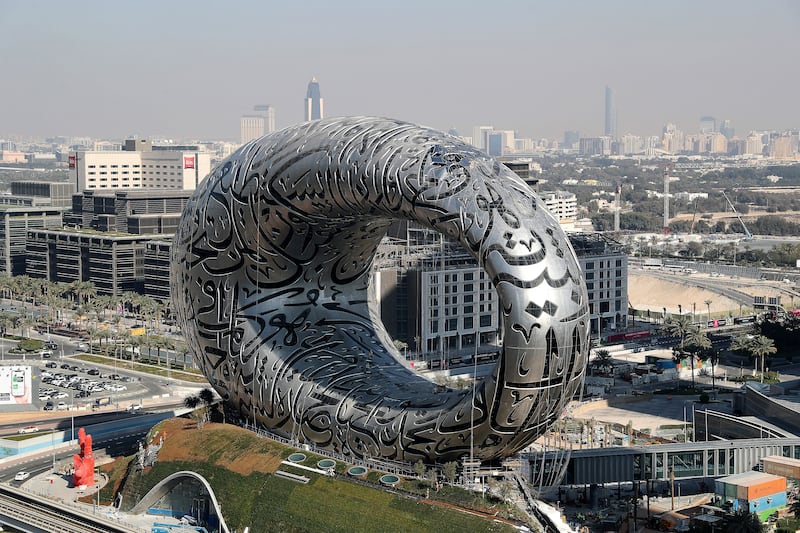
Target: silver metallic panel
(270,278)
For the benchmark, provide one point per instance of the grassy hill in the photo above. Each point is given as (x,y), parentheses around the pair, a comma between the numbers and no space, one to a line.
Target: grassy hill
(240,468)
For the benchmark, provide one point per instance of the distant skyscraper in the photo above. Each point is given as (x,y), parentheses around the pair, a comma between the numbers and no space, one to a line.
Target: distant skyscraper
(480,136)
(727,129)
(255,126)
(708,124)
(268,112)
(571,138)
(610,129)
(314,102)
(251,127)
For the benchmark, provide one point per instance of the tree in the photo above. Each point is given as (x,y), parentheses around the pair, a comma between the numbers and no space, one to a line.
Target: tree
(755,346)
(450,471)
(199,407)
(762,346)
(743,521)
(419,468)
(712,356)
(602,360)
(680,326)
(695,343)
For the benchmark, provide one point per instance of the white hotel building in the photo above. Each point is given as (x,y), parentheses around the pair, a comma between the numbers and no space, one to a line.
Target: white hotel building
(140,166)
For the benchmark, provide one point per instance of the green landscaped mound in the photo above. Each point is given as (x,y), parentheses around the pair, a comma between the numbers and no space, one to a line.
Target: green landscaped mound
(240,468)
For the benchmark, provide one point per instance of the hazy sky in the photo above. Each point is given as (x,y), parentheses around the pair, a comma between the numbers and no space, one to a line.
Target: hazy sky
(190,69)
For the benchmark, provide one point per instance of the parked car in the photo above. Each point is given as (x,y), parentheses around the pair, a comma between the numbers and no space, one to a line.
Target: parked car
(62,406)
(49,406)
(28,429)
(93,372)
(22,476)
(82,346)
(51,364)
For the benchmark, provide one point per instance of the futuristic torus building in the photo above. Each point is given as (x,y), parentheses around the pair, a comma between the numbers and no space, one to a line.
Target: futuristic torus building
(270,274)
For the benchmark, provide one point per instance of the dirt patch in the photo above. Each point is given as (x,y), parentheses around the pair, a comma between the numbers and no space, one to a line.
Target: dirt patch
(648,292)
(227,446)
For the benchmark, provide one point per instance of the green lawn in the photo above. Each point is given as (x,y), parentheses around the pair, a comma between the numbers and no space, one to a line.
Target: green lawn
(268,503)
(265,502)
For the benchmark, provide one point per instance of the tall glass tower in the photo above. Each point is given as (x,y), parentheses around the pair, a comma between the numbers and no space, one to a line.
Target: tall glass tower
(314,102)
(610,129)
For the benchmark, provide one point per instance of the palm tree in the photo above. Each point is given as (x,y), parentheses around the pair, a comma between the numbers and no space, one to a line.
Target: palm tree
(680,326)
(712,356)
(708,306)
(761,346)
(694,343)
(602,359)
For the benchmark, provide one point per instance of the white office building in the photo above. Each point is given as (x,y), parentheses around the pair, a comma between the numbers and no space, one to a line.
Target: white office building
(140,166)
(563,205)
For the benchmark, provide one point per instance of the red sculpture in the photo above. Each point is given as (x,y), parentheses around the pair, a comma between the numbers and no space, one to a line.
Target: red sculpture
(84,461)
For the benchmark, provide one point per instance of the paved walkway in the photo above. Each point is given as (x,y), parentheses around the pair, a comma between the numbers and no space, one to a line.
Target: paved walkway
(57,487)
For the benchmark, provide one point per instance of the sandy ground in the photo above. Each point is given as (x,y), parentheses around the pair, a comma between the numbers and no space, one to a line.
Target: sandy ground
(647,292)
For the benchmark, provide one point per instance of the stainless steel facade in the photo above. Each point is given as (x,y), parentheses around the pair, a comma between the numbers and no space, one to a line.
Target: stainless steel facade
(270,276)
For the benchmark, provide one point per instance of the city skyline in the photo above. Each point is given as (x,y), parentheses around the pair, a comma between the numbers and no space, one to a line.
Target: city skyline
(539,69)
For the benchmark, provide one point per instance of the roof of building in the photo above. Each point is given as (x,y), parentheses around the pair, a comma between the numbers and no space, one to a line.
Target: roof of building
(782,460)
(749,479)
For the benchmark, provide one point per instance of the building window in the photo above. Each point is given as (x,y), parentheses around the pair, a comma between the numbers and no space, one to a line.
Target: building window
(451,324)
(590,265)
(468,322)
(468,276)
(486,321)
(468,298)
(468,287)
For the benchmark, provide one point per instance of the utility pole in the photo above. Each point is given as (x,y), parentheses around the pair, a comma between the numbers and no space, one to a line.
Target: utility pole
(672,484)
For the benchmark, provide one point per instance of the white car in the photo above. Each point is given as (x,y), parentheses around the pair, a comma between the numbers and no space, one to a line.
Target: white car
(22,476)
(62,406)
(60,395)
(28,429)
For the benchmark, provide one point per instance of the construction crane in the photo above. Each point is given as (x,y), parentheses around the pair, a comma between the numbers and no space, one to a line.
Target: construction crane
(747,235)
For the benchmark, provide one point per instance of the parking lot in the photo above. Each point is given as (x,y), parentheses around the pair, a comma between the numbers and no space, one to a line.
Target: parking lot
(63,384)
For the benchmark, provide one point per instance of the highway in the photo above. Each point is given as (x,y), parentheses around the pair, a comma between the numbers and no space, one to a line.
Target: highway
(26,512)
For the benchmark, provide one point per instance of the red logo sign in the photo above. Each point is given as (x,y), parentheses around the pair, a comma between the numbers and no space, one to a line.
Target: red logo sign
(73,161)
(188,162)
